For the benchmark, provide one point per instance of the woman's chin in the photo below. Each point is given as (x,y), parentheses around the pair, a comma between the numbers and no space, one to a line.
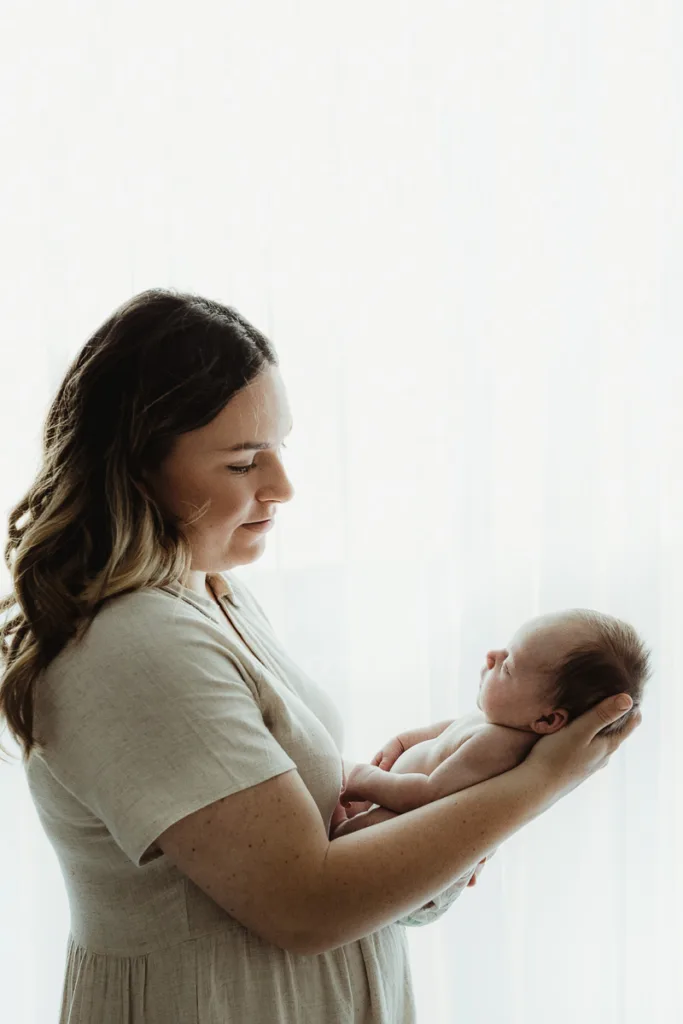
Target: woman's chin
(246,548)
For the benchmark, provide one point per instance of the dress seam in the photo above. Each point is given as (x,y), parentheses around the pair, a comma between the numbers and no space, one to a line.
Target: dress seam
(119,955)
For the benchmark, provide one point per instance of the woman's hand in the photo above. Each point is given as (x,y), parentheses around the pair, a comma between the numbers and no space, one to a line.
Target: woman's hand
(477,871)
(480,867)
(571,755)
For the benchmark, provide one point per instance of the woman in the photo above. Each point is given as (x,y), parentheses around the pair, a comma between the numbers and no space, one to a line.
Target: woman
(185,770)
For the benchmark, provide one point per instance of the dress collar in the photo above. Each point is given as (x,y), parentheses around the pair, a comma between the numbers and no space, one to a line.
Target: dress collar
(221,587)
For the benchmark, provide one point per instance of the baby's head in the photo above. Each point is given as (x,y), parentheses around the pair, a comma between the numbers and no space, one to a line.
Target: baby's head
(558,666)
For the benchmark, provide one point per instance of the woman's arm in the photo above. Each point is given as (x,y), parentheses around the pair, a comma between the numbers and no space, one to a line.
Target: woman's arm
(397,866)
(263,855)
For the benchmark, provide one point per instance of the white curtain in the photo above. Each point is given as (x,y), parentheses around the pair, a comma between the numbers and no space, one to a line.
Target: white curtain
(461,225)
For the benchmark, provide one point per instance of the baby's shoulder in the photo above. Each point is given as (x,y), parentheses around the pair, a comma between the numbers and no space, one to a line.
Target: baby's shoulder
(482,736)
(503,735)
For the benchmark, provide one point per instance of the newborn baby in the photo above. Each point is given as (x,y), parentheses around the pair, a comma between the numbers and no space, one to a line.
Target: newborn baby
(555,668)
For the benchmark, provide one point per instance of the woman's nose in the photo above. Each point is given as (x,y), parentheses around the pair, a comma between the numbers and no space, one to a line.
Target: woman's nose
(279,487)
(283,489)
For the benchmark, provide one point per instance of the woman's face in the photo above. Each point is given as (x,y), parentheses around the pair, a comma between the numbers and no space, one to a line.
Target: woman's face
(235,461)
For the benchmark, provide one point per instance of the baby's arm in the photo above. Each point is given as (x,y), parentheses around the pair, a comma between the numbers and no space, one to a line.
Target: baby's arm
(397,791)
(492,750)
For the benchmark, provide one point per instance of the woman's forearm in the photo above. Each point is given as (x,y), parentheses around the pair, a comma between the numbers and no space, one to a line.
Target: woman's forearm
(374,876)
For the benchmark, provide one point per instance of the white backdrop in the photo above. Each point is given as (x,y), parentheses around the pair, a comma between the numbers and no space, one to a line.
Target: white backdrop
(461,225)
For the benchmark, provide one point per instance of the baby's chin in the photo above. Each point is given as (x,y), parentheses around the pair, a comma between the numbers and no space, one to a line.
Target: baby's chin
(492,719)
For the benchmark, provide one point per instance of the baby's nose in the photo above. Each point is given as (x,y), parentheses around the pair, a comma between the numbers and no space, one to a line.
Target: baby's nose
(491,659)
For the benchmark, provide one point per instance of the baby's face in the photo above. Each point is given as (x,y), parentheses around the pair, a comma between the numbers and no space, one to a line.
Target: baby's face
(513,687)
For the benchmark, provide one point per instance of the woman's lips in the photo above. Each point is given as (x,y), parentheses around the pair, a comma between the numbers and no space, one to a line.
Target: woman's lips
(263,527)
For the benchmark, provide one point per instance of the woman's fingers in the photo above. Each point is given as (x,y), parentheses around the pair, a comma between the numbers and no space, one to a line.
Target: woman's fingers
(607,712)
(617,738)
(477,871)
(569,756)
(616,731)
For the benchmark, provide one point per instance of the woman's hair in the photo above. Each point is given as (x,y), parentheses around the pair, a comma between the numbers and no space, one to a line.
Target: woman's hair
(614,661)
(88,529)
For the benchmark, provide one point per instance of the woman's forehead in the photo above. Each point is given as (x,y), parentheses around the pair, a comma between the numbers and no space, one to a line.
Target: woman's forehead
(259,413)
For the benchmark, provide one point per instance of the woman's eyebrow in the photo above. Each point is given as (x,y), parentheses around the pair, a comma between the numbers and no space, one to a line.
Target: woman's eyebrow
(251,446)
(246,446)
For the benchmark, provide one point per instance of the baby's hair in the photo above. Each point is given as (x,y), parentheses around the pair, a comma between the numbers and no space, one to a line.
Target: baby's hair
(615,660)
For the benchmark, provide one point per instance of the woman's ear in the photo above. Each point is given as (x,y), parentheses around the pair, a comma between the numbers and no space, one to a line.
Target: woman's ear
(552,722)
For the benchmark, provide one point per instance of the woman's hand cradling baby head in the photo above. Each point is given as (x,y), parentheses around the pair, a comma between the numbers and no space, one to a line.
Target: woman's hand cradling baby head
(568,757)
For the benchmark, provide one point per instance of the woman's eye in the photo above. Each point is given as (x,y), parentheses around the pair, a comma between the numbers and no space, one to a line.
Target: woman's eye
(252,465)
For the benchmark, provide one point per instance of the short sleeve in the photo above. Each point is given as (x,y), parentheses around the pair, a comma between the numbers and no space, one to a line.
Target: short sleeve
(155,719)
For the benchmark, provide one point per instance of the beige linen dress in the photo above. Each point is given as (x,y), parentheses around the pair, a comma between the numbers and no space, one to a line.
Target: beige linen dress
(163,708)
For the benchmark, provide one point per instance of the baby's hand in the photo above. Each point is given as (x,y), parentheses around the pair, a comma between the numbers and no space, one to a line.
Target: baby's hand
(391,750)
(358,784)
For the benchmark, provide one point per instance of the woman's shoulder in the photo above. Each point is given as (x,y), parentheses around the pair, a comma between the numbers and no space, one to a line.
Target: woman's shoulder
(148,619)
(138,609)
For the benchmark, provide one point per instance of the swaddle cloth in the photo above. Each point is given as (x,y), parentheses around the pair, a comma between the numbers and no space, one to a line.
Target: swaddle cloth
(442,901)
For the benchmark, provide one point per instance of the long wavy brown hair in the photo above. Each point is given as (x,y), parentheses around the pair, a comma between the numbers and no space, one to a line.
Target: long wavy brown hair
(88,529)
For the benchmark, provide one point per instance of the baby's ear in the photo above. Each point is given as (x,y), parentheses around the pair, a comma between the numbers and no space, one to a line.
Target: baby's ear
(552,722)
